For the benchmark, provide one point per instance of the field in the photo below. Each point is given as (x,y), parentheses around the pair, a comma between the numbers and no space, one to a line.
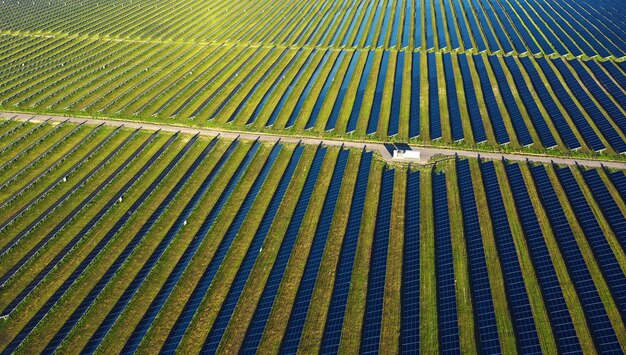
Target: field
(120,240)
(210,176)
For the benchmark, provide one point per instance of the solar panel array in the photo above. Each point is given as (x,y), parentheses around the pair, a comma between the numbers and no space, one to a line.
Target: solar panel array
(106,276)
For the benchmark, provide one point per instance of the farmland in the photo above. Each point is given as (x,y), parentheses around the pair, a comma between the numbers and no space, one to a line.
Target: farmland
(151,241)
(211,176)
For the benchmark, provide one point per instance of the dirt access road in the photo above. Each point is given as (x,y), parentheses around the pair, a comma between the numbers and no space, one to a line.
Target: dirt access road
(425,152)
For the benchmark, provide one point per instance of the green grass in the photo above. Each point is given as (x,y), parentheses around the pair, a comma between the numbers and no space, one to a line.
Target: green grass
(392,302)
(429,328)
(465,308)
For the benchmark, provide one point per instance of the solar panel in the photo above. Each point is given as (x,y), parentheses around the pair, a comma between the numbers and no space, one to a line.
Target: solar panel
(606,82)
(434,114)
(321,98)
(410,336)
(383,30)
(485,317)
(519,305)
(599,323)
(599,119)
(372,123)
(483,23)
(453,103)
(80,235)
(607,204)
(292,85)
(264,306)
(255,88)
(430,24)
(212,341)
(548,16)
(373,27)
(465,35)
(193,303)
(345,84)
(259,107)
(406,32)
(502,135)
(446,286)
(358,101)
(396,101)
(511,105)
(417,23)
(353,24)
(253,71)
(370,339)
(339,299)
(471,101)
(295,326)
(590,84)
(566,338)
(454,39)
(553,111)
(414,117)
(529,102)
(393,41)
(130,247)
(569,105)
(59,201)
(307,90)
(607,261)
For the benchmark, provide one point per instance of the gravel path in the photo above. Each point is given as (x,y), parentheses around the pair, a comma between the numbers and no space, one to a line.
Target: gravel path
(425,153)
